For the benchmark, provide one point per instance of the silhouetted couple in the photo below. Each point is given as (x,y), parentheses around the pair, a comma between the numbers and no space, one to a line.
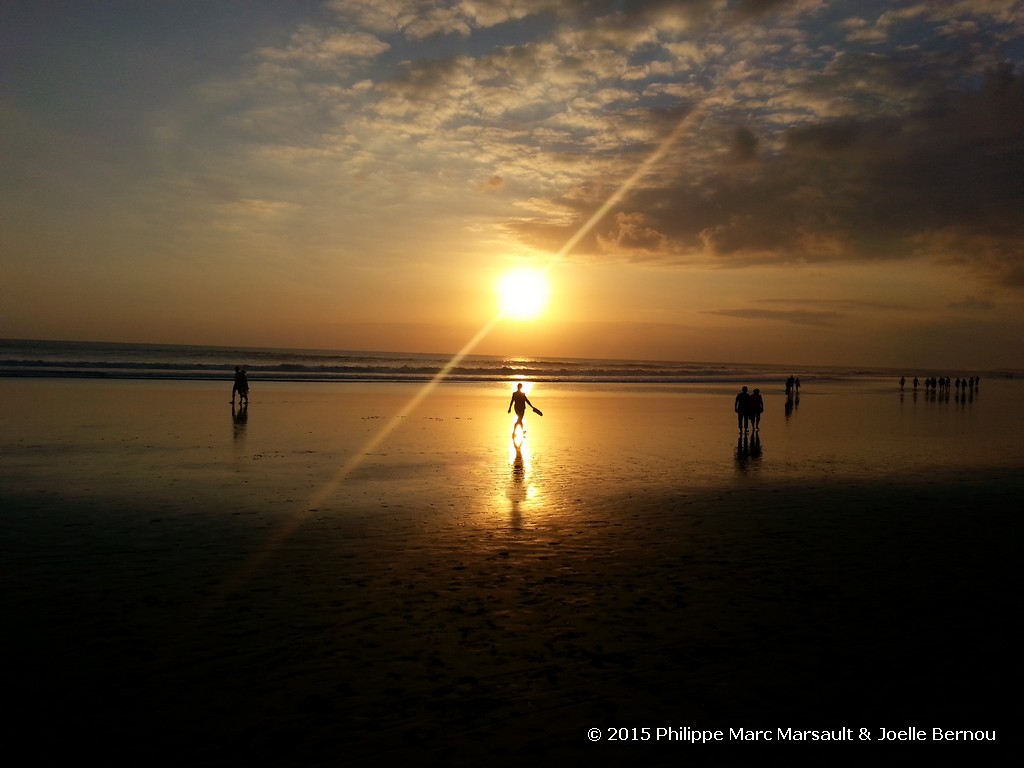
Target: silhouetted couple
(749,408)
(241,386)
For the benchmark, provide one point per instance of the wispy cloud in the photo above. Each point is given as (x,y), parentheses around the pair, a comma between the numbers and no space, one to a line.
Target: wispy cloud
(794,316)
(973,304)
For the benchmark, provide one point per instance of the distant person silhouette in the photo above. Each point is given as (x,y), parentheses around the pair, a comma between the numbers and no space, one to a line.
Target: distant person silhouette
(519,401)
(756,408)
(742,408)
(241,386)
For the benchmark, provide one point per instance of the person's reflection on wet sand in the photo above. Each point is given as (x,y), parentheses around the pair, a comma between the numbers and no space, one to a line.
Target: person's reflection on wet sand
(755,447)
(517,491)
(239,420)
(742,452)
(748,452)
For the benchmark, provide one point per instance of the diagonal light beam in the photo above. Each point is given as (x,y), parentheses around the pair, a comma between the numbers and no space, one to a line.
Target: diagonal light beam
(295,520)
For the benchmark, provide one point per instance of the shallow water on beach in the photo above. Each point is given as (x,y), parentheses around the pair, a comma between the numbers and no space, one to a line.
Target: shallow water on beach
(345,570)
(378,445)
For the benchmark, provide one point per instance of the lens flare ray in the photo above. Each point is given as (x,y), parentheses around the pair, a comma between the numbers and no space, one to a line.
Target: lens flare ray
(295,520)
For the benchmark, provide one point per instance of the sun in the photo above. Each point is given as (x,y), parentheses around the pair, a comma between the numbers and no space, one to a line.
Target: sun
(523,293)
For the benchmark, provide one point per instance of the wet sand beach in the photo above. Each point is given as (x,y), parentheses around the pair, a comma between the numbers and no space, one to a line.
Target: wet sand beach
(335,576)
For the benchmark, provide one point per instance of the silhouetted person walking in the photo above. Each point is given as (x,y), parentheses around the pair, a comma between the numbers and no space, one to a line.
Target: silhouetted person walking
(742,408)
(756,407)
(519,401)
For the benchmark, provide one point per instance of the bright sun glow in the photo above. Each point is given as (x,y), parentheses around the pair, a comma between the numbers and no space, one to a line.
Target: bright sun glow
(523,293)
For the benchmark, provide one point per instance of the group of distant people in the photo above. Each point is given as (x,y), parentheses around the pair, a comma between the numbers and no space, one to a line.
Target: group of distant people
(942,384)
(749,405)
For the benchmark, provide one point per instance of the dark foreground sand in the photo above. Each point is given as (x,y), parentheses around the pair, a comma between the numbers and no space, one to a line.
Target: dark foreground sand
(480,610)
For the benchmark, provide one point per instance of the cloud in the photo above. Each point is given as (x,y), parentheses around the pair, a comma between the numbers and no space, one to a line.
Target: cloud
(847,304)
(791,316)
(492,184)
(744,145)
(317,47)
(944,178)
(420,19)
(632,232)
(973,304)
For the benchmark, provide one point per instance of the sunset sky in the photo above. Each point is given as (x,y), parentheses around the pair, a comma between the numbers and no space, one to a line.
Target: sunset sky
(791,181)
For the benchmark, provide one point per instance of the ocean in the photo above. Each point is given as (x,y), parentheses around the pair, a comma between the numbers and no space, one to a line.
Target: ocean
(104,360)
